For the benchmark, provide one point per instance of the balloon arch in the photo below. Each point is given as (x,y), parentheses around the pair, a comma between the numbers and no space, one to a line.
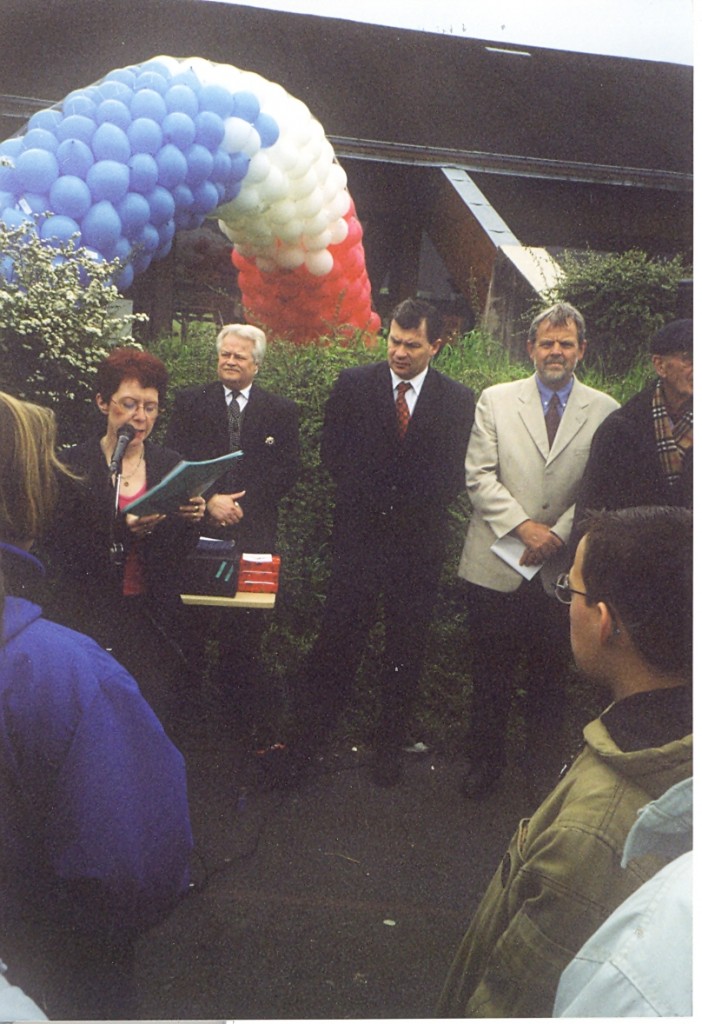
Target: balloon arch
(154,148)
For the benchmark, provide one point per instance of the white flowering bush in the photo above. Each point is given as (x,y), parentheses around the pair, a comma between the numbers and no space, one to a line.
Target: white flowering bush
(57,322)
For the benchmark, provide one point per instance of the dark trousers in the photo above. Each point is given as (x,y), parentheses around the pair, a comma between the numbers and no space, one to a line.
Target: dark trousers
(516,638)
(387,569)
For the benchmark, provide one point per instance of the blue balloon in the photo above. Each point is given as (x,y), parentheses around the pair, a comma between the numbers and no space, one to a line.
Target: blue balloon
(108,179)
(114,111)
(246,106)
(111,89)
(125,278)
(187,78)
(101,228)
(209,129)
(34,202)
(147,240)
(172,166)
(152,80)
(182,98)
(79,102)
(141,262)
(40,138)
(217,99)
(148,103)
(75,157)
(70,196)
(124,75)
(122,250)
(166,234)
(12,147)
(231,191)
(7,268)
(76,126)
(134,212)
(206,198)
(221,166)
(6,199)
(36,170)
(143,173)
(8,180)
(162,206)
(60,229)
(178,128)
(200,164)
(145,136)
(183,198)
(111,143)
(47,119)
(185,221)
(157,67)
(239,168)
(267,128)
(11,217)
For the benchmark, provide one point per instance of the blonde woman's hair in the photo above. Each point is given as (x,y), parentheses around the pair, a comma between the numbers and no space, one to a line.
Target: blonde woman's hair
(29,469)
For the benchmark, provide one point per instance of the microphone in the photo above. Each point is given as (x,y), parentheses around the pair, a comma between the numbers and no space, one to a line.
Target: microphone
(125,434)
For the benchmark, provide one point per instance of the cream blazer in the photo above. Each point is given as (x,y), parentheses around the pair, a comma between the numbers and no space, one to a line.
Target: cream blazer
(511,475)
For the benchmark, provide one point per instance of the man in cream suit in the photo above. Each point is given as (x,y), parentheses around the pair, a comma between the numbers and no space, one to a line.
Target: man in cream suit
(527,453)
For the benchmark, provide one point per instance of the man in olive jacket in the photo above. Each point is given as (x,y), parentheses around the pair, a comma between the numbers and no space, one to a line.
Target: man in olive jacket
(630,596)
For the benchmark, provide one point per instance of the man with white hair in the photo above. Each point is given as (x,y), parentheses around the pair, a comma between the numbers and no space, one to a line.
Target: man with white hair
(210,420)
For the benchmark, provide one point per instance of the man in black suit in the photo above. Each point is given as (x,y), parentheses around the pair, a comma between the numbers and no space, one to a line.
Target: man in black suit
(208,421)
(394,440)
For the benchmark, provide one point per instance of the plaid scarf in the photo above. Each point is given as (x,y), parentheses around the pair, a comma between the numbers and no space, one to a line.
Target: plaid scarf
(673,440)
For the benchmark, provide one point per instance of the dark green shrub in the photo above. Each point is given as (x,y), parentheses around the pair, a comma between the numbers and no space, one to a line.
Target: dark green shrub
(624,297)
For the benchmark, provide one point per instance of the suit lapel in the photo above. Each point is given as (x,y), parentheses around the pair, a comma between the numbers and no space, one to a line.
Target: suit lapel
(574,416)
(384,403)
(531,414)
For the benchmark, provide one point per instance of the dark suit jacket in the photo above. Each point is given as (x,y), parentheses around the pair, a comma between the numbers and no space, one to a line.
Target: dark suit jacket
(624,469)
(270,464)
(381,480)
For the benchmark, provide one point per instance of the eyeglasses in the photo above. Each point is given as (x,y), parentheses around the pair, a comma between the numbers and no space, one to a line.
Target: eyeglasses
(130,405)
(563,590)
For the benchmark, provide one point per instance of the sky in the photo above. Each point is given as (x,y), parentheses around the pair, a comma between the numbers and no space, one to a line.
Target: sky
(647,29)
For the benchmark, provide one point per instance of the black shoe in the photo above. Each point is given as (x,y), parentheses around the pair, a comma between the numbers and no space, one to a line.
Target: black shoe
(386,770)
(480,780)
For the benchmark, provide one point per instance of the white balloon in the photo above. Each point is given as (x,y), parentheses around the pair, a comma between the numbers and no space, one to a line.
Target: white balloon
(281,211)
(310,205)
(172,63)
(302,186)
(247,200)
(339,205)
(339,230)
(291,231)
(266,264)
(252,144)
(226,230)
(319,263)
(290,256)
(259,169)
(283,154)
(275,186)
(201,67)
(236,133)
(320,241)
(319,222)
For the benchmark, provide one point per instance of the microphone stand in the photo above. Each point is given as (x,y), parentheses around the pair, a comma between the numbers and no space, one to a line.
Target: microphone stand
(116,546)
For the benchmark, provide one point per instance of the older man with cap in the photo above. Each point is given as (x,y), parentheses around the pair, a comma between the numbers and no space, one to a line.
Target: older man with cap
(642,453)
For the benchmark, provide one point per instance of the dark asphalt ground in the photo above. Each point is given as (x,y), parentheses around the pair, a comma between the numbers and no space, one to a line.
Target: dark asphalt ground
(338,900)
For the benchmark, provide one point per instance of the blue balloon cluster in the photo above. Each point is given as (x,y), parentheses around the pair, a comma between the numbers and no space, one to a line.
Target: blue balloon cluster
(121,165)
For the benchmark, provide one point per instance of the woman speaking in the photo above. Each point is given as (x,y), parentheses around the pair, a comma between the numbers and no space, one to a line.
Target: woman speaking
(118,575)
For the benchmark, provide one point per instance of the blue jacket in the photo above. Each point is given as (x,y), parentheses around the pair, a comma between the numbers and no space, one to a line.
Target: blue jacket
(93,806)
(639,962)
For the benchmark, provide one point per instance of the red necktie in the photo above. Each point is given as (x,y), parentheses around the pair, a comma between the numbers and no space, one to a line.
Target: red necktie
(403,413)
